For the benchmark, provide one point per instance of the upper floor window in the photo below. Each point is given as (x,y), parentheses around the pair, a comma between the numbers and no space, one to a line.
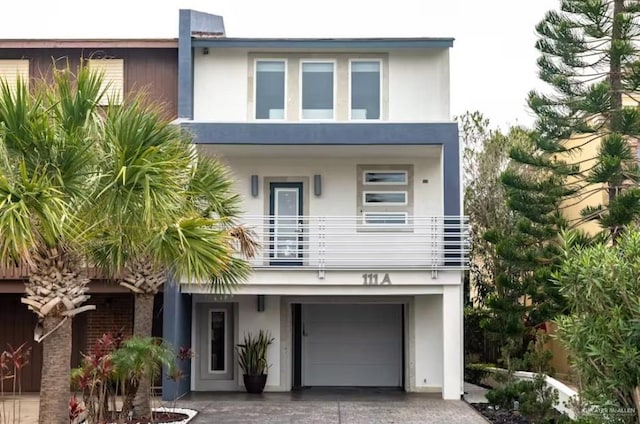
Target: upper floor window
(365,89)
(385,195)
(270,89)
(318,90)
(13,70)
(112,71)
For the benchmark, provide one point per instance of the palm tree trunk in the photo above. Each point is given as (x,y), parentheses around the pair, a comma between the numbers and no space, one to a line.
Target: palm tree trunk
(142,324)
(54,389)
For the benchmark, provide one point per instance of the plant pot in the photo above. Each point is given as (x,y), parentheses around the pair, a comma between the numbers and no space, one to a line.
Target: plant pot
(255,383)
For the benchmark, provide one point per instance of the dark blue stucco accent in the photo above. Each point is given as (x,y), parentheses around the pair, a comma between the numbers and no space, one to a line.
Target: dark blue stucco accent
(363,134)
(185,66)
(207,23)
(322,133)
(176,327)
(191,22)
(327,43)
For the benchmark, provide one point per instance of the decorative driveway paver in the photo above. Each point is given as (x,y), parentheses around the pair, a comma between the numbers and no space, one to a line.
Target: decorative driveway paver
(329,407)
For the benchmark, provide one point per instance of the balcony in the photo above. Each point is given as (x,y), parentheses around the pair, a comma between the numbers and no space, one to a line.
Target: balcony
(358,243)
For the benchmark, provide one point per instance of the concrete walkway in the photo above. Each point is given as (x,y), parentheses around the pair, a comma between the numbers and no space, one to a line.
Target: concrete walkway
(329,406)
(474,394)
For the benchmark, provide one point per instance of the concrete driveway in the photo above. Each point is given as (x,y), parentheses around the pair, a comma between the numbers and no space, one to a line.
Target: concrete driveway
(329,406)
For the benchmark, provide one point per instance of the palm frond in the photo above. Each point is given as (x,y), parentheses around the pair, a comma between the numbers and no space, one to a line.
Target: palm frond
(145,168)
(246,240)
(192,249)
(211,188)
(48,153)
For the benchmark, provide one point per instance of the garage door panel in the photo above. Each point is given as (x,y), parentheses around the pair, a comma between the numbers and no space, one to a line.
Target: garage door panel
(352,353)
(349,332)
(352,345)
(353,312)
(367,375)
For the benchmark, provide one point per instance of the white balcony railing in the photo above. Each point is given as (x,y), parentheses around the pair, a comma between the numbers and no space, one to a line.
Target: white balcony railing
(347,242)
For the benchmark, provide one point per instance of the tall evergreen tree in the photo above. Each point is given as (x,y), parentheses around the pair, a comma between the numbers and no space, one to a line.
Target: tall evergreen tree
(582,147)
(525,297)
(590,60)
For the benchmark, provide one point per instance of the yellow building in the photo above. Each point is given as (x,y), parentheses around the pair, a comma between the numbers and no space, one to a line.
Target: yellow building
(585,154)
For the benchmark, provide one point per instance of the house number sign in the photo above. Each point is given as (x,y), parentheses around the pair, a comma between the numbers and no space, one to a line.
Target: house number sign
(372,279)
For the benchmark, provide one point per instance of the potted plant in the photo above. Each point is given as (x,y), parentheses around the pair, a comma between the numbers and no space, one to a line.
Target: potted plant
(252,358)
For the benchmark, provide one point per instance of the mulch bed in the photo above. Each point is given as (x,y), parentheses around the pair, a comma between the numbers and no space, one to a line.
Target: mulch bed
(160,417)
(500,416)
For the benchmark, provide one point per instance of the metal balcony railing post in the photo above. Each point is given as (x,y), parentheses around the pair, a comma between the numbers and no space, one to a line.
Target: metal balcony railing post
(321,246)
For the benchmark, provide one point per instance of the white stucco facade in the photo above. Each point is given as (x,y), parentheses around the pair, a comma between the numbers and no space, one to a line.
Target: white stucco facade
(406,272)
(416,83)
(426,324)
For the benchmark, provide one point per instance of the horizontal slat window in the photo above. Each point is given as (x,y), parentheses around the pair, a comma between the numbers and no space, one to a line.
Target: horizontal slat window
(13,70)
(388,198)
(385,177)
(113,82)
(385,196)
(385,218)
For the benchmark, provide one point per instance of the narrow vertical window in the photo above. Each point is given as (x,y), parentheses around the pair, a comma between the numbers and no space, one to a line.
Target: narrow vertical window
(317,90)
(365,90)
(270,89)
(217,335)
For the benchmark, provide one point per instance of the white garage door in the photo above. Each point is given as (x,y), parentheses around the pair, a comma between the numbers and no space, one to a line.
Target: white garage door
(352,345)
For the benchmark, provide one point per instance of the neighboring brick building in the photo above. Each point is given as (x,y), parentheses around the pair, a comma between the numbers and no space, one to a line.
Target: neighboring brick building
(129,66)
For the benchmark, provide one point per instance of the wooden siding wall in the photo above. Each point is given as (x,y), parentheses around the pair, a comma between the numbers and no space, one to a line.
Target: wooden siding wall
(152,70)
(155,71)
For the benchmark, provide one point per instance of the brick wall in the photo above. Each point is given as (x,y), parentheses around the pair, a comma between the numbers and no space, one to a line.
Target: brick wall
(113,312)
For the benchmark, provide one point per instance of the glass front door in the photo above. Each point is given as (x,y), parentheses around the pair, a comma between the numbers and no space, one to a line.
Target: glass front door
(286,229)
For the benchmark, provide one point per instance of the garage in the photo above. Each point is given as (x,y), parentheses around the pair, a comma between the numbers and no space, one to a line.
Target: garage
(352,345)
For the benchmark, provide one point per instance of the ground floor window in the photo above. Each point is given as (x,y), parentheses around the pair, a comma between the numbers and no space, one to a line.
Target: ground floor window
(217,340)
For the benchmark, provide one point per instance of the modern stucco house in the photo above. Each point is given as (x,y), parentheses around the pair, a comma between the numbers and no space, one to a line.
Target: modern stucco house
(348,163)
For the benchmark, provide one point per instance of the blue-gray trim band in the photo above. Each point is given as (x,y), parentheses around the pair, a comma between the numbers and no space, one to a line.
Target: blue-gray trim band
(363,134)
(327,43)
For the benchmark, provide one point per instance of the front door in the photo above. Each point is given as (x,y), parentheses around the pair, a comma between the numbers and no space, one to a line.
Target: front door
(286,238)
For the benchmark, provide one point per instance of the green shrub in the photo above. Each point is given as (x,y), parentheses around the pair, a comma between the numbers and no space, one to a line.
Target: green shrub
(252,353)
(474,373)
(534,398)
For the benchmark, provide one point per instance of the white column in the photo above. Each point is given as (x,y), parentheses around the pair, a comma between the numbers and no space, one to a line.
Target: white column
(452,346)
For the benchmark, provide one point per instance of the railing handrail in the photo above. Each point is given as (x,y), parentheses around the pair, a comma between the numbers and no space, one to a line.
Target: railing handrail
(323,242)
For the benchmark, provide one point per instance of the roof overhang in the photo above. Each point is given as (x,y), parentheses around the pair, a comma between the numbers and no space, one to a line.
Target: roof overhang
(325,43)
(159,43)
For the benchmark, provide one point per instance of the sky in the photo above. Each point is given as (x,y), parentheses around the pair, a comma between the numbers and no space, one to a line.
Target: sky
(493,62)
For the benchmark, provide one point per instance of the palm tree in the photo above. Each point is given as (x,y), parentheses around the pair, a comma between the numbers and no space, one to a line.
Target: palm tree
(48,153)
(139,359)
(168,211)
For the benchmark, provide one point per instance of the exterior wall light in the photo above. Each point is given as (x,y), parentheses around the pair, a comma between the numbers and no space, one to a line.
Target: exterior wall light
(254,185)
(260,304)
(317,185)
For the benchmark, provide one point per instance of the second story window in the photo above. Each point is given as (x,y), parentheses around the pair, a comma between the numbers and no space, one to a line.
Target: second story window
(13,70)
(385,196)
(270,89)
(317,90)
(365,89)
(112,71)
